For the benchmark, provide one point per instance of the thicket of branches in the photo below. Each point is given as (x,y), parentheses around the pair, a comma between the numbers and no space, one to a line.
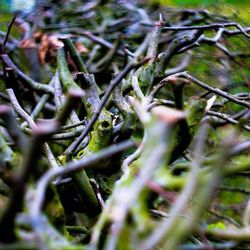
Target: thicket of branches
(124,126)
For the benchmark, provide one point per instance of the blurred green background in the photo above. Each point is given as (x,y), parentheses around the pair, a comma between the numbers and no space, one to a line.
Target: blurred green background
(233,8)
(202,2)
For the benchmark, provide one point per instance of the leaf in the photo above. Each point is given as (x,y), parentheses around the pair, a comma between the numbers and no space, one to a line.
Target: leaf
(48,46)
(81,48)
(27,43)
(210,102)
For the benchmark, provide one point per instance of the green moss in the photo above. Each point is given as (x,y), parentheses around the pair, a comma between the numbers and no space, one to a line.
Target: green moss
(218,225)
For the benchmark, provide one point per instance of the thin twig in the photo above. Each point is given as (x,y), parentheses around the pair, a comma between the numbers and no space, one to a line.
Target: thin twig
(30,83)
(214,90)
(16,106)
(12,127)
(227,118)
(182,200)
(71,149)
(70,47)
(8,32)
(224,217)
(66,135)
(73,167)
(208,26)
(239,148)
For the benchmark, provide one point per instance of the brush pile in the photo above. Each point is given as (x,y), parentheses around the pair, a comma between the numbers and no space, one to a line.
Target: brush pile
(124,126)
